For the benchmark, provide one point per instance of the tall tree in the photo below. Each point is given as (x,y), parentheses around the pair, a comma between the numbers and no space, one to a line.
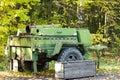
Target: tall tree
(13,15)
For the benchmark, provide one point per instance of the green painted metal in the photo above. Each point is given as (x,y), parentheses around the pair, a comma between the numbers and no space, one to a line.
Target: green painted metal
(84,37)
(35,66)
(57,48)
(35,56)
(35,59)
(46,39)
(56,31)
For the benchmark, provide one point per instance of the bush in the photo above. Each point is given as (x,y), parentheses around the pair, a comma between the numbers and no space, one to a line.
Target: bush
(99,39)
(4,64)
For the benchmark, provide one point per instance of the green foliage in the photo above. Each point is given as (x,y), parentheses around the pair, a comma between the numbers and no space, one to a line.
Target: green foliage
(99,39)
(101,17)
(52,65)
(115,45)
(4,63)
(14,15)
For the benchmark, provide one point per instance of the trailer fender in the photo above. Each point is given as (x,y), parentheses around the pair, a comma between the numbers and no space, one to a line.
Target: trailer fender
(57,48)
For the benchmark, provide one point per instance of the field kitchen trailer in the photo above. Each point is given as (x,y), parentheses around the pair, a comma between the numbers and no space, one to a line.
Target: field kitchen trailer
(32,47)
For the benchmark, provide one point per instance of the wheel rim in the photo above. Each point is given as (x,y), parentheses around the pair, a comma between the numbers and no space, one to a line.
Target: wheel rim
(72,57)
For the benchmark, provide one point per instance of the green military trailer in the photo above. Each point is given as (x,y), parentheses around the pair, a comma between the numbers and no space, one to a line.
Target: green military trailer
(31,48)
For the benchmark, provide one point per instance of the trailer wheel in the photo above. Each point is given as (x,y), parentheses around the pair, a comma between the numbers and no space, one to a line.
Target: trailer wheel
(70,54)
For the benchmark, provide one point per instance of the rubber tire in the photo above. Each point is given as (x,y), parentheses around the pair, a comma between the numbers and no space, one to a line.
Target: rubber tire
(67,53)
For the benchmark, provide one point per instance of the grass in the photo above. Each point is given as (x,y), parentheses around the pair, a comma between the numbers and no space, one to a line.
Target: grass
(14,74)
(111,67)
(109,62)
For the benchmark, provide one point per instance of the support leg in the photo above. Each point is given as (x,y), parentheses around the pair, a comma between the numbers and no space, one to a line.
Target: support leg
(35,66)
(98,61)
(11,65)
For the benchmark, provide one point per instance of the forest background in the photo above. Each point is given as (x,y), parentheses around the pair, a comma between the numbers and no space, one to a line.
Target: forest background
(101,17)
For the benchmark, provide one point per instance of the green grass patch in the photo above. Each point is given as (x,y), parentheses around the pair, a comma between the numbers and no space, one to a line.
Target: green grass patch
(109,63)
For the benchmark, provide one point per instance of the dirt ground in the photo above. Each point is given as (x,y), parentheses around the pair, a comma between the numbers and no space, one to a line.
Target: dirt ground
(16,76)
